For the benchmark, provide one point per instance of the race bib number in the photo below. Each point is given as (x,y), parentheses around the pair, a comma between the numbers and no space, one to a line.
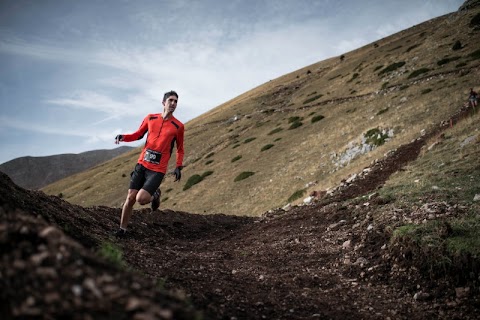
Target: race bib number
(152,156)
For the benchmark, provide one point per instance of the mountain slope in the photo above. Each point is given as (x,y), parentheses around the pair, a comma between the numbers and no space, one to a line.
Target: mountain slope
(312,128)
(37,172)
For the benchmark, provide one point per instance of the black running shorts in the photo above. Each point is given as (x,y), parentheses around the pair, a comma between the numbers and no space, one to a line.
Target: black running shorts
(143,178)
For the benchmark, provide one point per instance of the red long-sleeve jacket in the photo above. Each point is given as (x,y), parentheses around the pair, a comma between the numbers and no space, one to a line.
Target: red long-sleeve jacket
(162,136)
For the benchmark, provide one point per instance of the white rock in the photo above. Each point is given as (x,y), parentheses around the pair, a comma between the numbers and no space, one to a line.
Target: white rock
(308,200)
(347,244)
(477,197)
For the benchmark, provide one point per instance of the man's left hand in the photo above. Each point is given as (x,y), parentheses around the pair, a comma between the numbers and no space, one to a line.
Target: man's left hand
(178,173)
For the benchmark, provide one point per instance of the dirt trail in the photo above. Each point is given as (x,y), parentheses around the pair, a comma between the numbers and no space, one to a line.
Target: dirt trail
(321,261)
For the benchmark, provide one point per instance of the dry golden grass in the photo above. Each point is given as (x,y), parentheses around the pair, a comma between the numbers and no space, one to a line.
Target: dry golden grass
(350,104)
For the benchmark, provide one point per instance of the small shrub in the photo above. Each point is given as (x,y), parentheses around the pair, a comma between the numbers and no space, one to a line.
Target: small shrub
(209,155)
(412,47)
(317,118)
(266,147)
(165,199)
(297,195)
(208,162)
(275,131)
(278,139)
(193,180)
(377,68)
(375,137)
(418,72)
(475,54)
(447,60)
(236,158)
(60,195)
(123,175)
(312,98)
(384,85)
(457,45)
(236,146)
(168,190)
(354,76)
(249,140)
(461,64)
(475,22)
(206,174)
(392,67)
(405,86)
(294,119)
(243,175)
(295,125)
(351,110)
(382,111)
(425,91)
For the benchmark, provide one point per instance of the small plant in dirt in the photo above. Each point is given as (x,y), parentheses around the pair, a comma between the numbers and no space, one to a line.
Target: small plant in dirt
(382,111)
(60,195)
(294,119)
(235,146)
(475,22)
(208,162)
(392,67)
(278,139)
(418,72)
(317,118)
(209,155)
(297,195)
(447,60)
(457,45)
(112,253)
(275,131)
(425,91)
(313,98)
(244,175)
(475,54)
(236,158)
(375,137)
(461,65)
(169,190)
(295,125)
(412,47)
(378,68)
(249,140)
(206,174)
(266,147)
(384,85)
(354,76)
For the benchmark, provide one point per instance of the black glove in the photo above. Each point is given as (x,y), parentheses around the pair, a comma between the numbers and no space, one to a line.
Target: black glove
(118,138)
(178,173)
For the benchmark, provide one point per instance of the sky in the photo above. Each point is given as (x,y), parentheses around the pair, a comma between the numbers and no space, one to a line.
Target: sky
(74,74)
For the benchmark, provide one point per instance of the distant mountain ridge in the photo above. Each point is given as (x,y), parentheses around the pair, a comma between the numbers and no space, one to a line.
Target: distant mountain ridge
(37,172)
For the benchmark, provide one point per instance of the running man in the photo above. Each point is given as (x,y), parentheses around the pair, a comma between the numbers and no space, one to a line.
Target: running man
(164,130)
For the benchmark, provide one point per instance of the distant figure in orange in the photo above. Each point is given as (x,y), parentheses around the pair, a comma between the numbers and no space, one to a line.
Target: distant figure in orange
(472,99)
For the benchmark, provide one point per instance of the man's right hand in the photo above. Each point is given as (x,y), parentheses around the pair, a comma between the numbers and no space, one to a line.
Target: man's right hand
(118,138)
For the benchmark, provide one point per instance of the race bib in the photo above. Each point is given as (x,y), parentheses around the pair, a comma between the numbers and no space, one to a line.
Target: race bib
(152,156)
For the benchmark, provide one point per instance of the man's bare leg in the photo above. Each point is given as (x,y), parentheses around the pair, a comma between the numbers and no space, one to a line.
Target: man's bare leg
(128,208)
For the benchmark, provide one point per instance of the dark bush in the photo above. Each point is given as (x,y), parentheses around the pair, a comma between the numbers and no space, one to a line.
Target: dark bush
(243,175)
(249,140)
(294,119)
(457,45)
(297,195)
(275,131)
(317,118)
(266,147)
(312,98)
(193,180)
(447,60)
(295,125)
(392,67)
(475,22)
(475,54)
(209,155)
(418,72)
(236,158)
(208,162)
(426,91)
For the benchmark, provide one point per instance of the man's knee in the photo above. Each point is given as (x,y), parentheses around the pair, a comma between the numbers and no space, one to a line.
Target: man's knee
(143,198)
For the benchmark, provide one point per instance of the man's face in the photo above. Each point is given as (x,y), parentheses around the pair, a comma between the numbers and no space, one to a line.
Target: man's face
(170,104)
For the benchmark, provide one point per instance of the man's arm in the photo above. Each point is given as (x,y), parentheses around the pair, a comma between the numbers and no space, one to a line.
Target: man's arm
(137,135)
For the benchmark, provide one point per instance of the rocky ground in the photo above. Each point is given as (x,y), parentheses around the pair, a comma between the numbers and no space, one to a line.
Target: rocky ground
(325,260)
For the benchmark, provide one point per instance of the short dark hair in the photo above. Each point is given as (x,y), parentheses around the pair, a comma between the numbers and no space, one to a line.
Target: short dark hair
(168,94)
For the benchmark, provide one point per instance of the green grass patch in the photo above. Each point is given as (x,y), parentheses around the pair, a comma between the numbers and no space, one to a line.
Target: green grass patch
(193,180)
(206,174)
(278,139)
(412,47)
(266,147)
(209,155)
(378,68)
(112,253)
(236,146)
(382,111)
(461,65)
(317,118)
(208,162)
(244,175)
(274,131)
(392,67)
(249,140)
(375,137)
(297,195)
(236,158)
(418,72)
